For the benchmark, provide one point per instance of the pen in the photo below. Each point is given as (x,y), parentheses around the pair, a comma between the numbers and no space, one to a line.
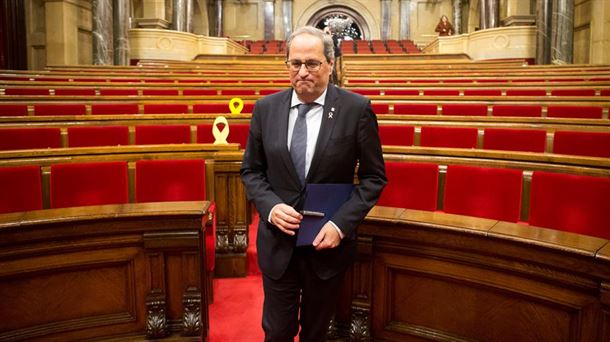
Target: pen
(312,213)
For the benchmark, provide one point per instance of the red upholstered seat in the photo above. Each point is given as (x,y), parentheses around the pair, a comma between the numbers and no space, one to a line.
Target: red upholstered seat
(238,133)
(60,109)
(516,110)
(160,92)
(595,144)
(396,135)
(29,138)
(604,92)
(410,185)
(525,92)
(98,136)
(483,192)
(264,92)
(366,91)
(402,92)
(114,108)
(527,140)
(220,108)
(26,91)
(199,92)
(75,92)
(204,134)
(238,92)
(441,92)
(170,180)
(21,189)
(415,109)
(118,92)
(573,92)
(465,109)
(482,92)
(457,137)
(166,108)
(571,203)
(88,184)
(13,109)
(381,108)
(163,134)
(580,112)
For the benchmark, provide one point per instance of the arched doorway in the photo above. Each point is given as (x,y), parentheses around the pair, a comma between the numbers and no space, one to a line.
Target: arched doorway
(347,22)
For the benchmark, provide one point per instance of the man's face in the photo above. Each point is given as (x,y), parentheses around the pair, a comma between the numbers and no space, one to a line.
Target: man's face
(308,85)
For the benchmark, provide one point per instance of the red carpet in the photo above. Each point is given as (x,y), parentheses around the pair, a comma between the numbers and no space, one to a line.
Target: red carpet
(236,313)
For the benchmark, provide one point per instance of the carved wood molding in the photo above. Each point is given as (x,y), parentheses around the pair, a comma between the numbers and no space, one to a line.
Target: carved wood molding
(191,317)
(156,320)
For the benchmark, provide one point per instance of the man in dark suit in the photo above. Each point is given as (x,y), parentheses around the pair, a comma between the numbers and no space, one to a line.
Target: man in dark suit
(288,147)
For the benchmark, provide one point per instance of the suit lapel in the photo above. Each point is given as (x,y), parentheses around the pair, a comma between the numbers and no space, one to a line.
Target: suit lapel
(282,116)
(329,117)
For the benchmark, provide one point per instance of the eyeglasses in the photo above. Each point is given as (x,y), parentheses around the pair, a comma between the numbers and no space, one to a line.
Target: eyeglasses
(311,65)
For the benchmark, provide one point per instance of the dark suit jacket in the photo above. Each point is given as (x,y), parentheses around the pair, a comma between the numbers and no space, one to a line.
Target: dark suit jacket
(349,137)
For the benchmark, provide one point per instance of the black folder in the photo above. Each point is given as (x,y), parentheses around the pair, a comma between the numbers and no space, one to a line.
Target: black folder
(321,202)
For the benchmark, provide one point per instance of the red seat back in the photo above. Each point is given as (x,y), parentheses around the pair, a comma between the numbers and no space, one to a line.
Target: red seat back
(482,92)
(381,108)
(98,136)
(118,92)
(211,108)
(441,92)
(166,108)
(456,137)
(483,192)
(595,144)
(465,109)
(163,134)
(410,185)
(403,92)
(75,92)
(527,140)
(517,110)
(21,189)
(238,133)
(170,180)
(114,108)
(579,112)
(60,109)
(13,109)
(88,184)
(573,92)
(396,135)
(26,91)
(199,92)
(160,92)
(29,138)
(571,203)
(525,92)
(415,109)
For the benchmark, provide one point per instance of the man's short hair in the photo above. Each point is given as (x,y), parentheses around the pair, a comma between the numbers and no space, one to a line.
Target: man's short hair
(329,50)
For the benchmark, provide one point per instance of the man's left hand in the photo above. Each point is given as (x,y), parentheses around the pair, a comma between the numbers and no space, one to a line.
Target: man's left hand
(328,237)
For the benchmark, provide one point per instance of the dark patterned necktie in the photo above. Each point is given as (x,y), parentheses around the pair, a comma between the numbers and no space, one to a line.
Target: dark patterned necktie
(298,142)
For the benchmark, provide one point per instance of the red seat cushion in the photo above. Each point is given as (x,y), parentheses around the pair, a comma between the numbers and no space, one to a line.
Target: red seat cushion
(29,138)
(571,203)
(170,180)
(573,92)
(88,184)
(119,92)
(410,185)
(166,108)
(396,135)
(595,144)
(163,134)
(465,109)
(98,136)
(380,108)
(525,92)
(527,140)
(13,109)
(483,192)
(457,137)
(517,110)
(21,189)
(114,108)
(415,109)
(75,92)
(60,109)
(580,112)
(482,92)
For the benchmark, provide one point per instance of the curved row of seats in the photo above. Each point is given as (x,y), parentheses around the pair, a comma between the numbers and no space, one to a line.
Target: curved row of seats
(135,91)
(574,203)
(485,91)
(583,143)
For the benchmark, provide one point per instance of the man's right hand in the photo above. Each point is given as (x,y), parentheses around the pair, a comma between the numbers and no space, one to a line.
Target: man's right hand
(285,218)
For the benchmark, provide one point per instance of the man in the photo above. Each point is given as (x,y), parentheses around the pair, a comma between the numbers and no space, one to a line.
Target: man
(340,131)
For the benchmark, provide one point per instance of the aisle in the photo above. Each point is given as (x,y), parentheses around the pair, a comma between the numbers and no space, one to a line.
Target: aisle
(236,312)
